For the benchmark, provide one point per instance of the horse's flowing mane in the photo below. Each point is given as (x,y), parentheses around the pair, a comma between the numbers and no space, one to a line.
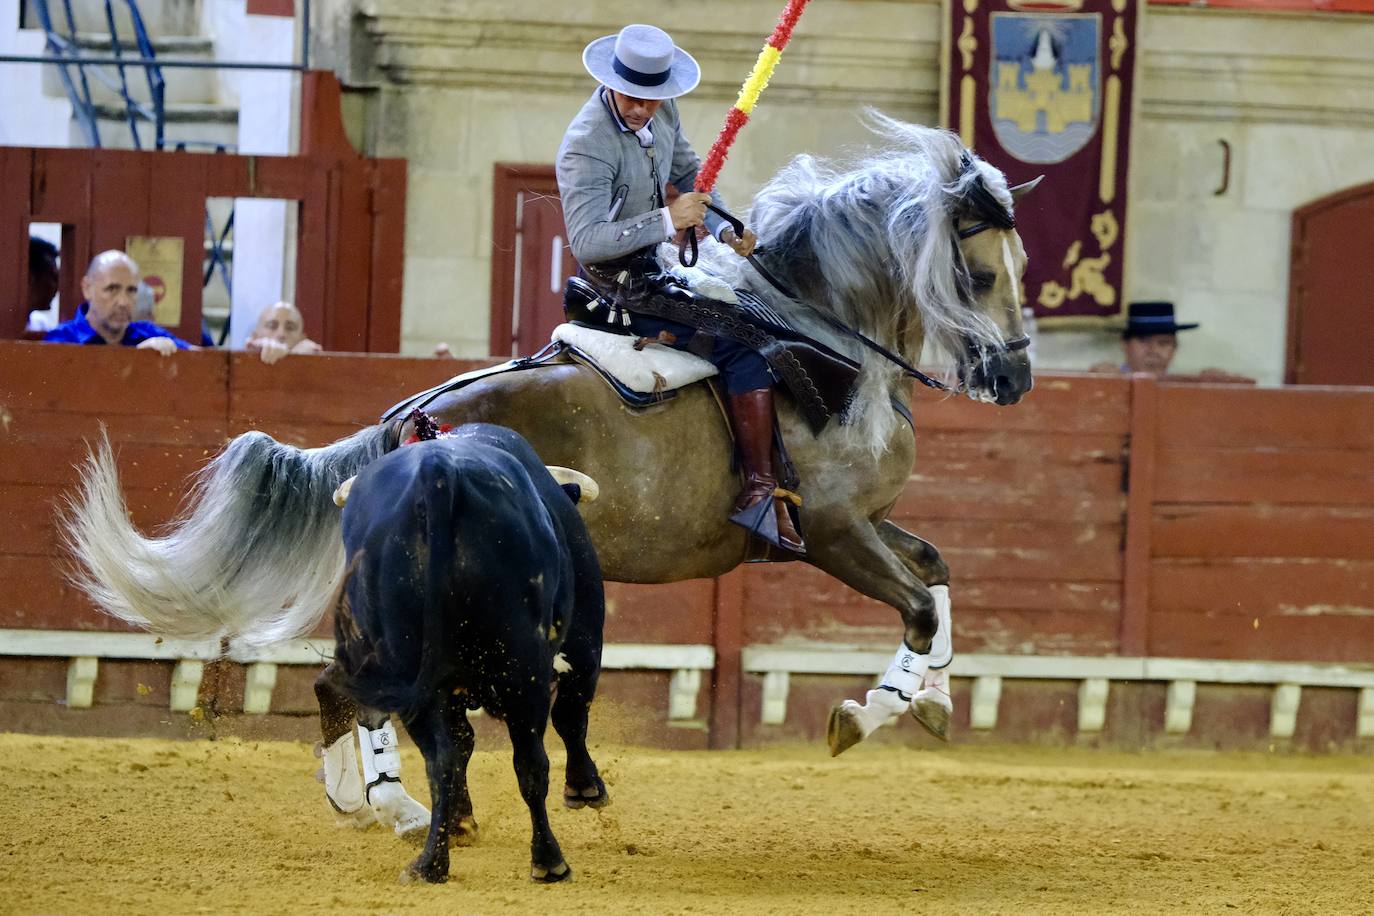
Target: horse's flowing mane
(873,243)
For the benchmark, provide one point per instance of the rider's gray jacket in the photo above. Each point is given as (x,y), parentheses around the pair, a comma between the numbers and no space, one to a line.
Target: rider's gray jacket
(613,187)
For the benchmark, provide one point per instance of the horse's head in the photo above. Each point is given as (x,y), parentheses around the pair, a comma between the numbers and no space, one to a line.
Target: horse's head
(915,245)
(989,267)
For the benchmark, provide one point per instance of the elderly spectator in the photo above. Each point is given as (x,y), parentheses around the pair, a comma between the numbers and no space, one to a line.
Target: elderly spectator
(107,316)
(280,331)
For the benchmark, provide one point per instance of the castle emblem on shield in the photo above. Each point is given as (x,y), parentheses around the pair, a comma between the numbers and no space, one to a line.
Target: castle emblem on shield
(1044,94)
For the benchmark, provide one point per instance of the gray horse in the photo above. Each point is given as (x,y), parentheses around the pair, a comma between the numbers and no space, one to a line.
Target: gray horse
(910,246)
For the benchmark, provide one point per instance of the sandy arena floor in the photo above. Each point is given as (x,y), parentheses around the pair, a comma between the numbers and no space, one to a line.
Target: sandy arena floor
(103,826)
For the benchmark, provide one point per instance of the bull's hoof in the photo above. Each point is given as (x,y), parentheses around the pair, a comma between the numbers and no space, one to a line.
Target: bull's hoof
(933,713)
(844,730)
(591,797)
(559,872)
(427,872)
(464,832)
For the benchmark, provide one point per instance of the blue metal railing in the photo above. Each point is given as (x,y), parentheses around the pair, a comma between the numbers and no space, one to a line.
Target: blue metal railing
(66,50)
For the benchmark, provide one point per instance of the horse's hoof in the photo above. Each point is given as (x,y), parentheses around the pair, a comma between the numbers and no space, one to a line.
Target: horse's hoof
(394,808)
(465,832)
(577,799)
(933,713)
(359,819)
(843,730)
(559,872)
(431,873)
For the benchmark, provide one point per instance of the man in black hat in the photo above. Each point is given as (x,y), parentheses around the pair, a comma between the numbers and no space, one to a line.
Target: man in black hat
(1149,339)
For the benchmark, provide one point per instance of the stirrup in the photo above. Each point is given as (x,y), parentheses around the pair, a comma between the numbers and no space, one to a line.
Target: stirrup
(760,521)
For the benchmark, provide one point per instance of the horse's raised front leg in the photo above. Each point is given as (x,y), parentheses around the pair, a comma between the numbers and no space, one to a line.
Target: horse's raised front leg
(932,705)
(854,553)
(390,803)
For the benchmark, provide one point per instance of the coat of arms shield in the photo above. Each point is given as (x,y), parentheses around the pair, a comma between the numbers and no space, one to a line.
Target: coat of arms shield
(1044,93)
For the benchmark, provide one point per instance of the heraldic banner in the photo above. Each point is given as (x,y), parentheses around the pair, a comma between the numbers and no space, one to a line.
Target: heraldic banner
(1044,87)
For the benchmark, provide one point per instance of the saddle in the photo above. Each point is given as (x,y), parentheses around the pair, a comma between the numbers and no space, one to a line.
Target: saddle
(640,378)
(820,380)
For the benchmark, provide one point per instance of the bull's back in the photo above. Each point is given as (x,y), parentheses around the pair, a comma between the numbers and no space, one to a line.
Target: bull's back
(456,528)
(664,472)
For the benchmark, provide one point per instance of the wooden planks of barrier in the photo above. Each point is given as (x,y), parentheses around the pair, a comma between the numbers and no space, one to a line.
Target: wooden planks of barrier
(1026,506)
(164,416)
(1263,524)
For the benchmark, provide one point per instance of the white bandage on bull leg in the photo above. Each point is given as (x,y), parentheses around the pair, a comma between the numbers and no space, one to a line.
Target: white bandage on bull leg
(343,784)
(388,799)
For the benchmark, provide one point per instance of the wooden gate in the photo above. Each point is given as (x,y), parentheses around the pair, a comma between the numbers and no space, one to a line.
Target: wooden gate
(1331,291)
(530,260)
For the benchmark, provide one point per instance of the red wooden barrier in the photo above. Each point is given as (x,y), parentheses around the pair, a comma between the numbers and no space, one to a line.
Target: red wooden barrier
(1026,505)
(1263,524)
(1103,516)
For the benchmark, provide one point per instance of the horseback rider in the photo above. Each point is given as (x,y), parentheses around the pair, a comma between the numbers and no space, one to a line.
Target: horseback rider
(617,158)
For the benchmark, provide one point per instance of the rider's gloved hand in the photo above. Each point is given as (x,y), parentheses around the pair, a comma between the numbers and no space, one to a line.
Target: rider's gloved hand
(689,209)
(743,247)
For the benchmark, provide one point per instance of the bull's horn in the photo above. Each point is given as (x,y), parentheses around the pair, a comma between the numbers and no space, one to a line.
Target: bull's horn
(341,494)
(590,490)
(1021,190)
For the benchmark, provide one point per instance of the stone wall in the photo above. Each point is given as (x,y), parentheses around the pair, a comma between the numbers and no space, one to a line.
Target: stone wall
(458,86)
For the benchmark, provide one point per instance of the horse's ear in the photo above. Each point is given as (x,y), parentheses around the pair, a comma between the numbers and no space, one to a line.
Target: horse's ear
(1021,190)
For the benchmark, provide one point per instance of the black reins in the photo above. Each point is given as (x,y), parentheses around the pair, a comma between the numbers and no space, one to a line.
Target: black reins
(687,255)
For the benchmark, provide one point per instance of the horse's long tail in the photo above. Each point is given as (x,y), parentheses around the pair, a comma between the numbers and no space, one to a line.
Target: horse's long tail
(255,554)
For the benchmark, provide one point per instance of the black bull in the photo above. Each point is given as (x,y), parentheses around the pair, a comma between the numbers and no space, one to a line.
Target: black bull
(469,572)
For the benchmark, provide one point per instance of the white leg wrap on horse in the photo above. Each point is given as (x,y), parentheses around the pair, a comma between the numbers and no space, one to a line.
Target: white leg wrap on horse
(932,705)
(388,799)
(343,784)
(942,645)
(884,703)
(905,672)
(851,722)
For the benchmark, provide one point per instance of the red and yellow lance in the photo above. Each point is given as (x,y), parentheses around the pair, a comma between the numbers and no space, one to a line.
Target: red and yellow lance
(749,94)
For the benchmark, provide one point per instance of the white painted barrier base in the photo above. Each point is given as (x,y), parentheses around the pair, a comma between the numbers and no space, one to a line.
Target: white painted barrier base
(85,650)
(778,663)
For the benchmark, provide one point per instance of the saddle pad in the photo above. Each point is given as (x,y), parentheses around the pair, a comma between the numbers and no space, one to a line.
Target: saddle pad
(653,370)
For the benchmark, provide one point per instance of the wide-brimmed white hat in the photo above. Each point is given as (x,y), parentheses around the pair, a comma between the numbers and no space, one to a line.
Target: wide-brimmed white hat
(643,62)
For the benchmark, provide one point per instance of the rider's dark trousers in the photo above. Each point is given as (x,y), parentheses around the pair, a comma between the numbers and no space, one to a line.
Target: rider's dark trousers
(742,368)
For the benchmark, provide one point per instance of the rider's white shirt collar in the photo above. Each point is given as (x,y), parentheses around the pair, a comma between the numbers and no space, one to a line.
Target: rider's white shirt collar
(645,134)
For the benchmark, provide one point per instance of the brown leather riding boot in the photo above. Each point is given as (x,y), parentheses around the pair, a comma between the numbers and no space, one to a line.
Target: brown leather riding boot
(752,413)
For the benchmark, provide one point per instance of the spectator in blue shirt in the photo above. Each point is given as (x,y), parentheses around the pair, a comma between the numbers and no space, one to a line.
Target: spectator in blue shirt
(106,317)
